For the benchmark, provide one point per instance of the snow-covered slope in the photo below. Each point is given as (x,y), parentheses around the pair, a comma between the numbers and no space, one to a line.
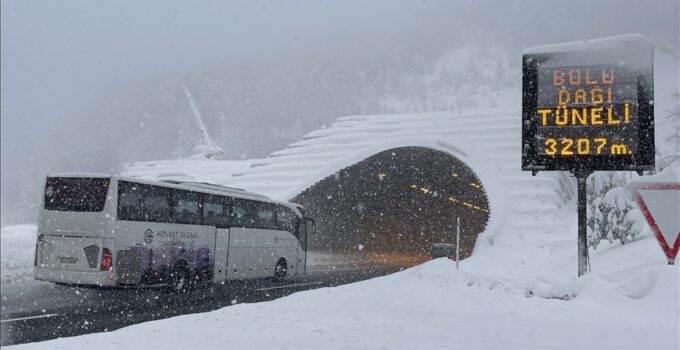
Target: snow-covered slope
(467,77)
(17,248)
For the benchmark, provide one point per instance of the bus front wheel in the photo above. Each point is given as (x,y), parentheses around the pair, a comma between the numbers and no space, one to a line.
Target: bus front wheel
(280,269)
(179,278)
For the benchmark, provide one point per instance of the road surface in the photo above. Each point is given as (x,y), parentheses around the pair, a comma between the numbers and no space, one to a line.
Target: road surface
(37,311)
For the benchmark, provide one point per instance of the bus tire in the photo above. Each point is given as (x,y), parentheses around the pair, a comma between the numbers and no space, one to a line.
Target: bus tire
(179,278)
(280,270)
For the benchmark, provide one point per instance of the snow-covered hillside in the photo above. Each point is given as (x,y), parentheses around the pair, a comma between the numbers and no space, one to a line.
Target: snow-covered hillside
(17,248)
(467,77)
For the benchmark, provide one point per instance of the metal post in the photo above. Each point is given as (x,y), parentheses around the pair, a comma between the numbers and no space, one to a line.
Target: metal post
(457,242)
(198,118)
(581,177)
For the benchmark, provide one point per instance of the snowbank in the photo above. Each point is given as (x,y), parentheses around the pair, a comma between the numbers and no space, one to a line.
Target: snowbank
(17,247)
(630,303)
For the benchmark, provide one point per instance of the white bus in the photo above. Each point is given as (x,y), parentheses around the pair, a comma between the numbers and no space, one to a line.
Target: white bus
(119,231)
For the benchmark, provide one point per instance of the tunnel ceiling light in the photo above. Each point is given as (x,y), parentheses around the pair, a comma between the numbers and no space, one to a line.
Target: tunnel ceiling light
(452,199)
(476,207)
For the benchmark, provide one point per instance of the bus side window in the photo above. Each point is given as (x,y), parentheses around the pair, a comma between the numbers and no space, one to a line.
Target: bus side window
(284,219)
(187,207)
(239,214)
(141,202)
(129,198)
(216,211)
(265,216)
(155,205)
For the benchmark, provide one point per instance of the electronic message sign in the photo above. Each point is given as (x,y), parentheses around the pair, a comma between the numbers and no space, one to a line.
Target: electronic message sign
(588,106)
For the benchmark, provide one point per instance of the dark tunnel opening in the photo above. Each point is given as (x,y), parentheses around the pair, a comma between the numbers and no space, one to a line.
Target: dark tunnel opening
(397,202)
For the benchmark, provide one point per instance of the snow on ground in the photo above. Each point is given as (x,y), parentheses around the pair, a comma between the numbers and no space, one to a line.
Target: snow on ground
(628,301)
(17,247)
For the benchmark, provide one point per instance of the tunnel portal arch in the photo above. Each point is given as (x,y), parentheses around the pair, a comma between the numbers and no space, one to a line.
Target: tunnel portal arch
(397,201)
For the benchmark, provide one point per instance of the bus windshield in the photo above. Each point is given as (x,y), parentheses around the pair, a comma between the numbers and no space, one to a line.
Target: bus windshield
(76,193)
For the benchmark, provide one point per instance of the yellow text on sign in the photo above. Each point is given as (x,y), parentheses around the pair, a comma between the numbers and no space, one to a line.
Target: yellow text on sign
(564,116)
(583,146)
(583,76)
(595,95)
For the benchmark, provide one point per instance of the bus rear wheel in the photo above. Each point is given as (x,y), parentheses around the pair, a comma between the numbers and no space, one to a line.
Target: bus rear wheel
(179,279)
(280,270)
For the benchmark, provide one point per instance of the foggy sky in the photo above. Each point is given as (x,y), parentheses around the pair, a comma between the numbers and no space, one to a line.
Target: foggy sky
(57,57)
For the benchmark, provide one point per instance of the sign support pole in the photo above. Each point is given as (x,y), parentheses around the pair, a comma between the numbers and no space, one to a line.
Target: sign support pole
(581,177)
(457,242)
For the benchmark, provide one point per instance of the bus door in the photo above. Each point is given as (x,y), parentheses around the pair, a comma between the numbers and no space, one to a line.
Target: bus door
(221,254)
(243,254)
(307,226)
(216,213)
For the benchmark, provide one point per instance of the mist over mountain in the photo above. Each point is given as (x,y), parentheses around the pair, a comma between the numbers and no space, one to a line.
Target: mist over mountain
(92,87)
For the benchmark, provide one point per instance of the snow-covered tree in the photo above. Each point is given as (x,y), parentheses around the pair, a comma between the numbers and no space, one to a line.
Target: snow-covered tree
(612,213)
(673,117)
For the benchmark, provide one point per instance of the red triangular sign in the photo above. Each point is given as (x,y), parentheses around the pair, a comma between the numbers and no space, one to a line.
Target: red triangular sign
(660,205)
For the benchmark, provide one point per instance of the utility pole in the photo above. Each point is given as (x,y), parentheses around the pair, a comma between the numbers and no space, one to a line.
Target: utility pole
(211,150)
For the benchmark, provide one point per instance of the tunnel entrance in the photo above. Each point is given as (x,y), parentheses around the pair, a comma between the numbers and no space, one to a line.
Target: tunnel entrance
(398,202)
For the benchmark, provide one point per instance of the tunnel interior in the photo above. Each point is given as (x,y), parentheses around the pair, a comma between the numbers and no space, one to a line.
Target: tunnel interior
(397,202)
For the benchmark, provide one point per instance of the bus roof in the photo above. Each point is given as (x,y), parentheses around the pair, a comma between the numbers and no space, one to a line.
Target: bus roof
(78,175)
(202,187)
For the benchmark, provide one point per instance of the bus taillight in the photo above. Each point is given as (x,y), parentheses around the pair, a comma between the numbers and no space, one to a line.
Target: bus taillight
(107,260)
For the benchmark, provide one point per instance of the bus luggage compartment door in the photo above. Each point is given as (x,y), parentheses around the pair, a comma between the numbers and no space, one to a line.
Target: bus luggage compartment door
(69,253)
(221,254)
